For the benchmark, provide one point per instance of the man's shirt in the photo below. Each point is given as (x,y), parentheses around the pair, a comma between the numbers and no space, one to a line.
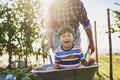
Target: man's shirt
(67,12)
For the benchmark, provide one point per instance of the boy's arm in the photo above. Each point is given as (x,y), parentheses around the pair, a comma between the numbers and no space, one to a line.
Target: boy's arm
(90,62)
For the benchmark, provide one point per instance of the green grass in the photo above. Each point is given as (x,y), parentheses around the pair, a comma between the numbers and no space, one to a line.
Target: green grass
(104,69)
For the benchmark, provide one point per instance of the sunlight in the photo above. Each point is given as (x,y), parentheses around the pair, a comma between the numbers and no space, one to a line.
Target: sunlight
(45,3)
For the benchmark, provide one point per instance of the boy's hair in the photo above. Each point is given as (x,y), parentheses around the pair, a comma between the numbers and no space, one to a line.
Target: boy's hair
(64,29)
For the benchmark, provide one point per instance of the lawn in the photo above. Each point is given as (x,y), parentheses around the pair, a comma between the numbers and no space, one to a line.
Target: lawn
(104,68)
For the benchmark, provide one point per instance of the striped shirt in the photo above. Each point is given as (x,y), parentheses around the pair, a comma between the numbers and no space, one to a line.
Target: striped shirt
(68,58)
(67,12)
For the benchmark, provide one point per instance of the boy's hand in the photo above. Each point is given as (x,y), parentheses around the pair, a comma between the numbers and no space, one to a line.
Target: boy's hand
(56,66)
(91,61)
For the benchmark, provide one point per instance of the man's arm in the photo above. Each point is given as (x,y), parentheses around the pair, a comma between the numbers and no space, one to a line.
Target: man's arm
(91,43)
(49,35)
(87,26)
(49,29)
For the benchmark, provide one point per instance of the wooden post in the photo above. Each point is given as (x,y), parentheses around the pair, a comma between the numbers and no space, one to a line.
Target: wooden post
(96,46)
(96,42)
(110,44)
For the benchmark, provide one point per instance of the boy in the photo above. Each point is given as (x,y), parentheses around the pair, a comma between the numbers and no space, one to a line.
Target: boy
(69,55)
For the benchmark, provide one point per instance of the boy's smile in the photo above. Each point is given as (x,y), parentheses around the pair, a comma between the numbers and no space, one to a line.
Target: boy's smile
(66,39)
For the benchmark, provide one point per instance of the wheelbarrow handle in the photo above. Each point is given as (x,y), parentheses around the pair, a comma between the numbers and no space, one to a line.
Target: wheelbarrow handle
(87,54)
(50,58)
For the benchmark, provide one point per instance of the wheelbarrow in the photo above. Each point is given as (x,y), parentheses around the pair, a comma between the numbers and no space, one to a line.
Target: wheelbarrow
(80,73)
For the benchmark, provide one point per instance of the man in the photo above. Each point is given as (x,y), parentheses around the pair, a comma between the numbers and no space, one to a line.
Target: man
(67,12)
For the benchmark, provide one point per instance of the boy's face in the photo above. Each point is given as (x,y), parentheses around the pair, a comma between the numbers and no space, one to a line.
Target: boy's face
(66,39)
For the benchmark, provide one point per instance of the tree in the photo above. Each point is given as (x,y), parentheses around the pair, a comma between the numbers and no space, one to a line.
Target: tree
(117,21)
(8,29)
(20,23)
(30,15)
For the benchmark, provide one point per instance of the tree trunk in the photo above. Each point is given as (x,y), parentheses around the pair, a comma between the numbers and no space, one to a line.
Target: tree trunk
(10,55)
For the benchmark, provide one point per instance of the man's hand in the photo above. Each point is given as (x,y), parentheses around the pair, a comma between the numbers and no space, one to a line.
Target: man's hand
(47,48)
(91,48)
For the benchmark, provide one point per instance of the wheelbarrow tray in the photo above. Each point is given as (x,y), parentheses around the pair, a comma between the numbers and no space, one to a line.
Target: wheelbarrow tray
(81,73)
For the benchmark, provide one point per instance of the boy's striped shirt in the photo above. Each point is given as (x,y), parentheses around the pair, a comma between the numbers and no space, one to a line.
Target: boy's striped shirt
(69,58)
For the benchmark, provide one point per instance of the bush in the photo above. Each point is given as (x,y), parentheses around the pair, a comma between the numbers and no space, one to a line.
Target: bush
(20,74)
